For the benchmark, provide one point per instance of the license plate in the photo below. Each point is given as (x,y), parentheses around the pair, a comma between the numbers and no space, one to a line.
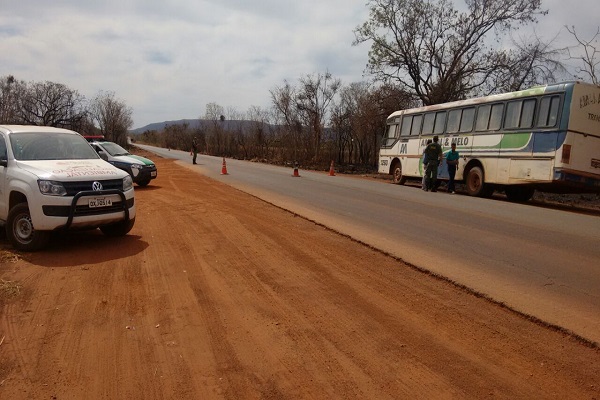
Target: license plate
(153,173)
(100,202)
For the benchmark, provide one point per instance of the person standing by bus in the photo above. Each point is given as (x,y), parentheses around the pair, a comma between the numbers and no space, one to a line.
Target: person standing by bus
(424,180)
(452,162)
(434,156)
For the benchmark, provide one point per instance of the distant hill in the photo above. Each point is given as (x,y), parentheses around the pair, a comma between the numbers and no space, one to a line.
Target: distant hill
(195,123)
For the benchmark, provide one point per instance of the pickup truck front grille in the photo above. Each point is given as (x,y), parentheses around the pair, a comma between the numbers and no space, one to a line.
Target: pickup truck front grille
(75,187)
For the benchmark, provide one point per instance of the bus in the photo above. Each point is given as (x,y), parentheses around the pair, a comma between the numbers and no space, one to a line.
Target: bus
(545,138)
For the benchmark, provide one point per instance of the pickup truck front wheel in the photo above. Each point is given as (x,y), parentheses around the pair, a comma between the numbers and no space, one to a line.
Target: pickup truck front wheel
(20,231)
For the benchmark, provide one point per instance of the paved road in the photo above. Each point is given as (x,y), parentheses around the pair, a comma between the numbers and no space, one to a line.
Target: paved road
(542,262)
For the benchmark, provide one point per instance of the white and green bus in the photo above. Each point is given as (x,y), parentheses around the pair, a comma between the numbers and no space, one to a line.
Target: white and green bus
(545,138)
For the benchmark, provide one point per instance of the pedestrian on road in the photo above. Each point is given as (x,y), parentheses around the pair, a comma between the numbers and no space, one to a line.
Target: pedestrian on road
(423,183)
(434,156)
(194,150)
(452,162)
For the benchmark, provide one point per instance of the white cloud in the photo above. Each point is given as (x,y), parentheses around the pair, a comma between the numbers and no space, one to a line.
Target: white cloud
(168,59)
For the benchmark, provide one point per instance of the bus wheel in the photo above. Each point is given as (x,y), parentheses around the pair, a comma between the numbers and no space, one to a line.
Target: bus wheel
(519,194)
(476,185)
(398,178)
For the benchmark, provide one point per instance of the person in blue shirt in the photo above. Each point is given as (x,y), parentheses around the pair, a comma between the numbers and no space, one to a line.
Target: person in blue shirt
(452,162)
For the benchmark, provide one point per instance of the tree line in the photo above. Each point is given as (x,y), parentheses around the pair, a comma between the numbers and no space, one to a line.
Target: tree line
(422,52)
(317,121)
(54,104)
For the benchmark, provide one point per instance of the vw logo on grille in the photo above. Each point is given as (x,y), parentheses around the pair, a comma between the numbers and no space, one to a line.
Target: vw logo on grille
(96,186)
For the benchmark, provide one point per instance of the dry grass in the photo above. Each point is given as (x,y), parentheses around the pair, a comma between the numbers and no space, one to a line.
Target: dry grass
(9,289)
(8,256)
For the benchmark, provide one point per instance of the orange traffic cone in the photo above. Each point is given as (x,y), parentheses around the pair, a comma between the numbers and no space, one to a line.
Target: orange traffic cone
(224,168)
(331,170)
(296,170)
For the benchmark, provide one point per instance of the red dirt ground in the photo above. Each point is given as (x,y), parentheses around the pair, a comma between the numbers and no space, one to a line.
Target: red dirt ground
(218,295)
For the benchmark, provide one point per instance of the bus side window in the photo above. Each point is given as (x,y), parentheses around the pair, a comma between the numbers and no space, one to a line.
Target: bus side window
(527,113)
(468,117)
(391,133)
(416,126)
(483,117)
(440,122)
(513,112)
(406,124)
(554,110)
(453,121)
(428,124)
(519,114)
(548,113)
(496,117)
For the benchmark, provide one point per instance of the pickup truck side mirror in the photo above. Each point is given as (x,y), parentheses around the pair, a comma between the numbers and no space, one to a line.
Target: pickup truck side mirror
(3,162)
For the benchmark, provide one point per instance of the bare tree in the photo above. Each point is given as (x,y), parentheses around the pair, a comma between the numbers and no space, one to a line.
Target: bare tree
(10,91)
(358,120)
(261,131)
(589,57)
(435,51)
(529,62)
(314,96)
(177,136)
(112,116)
(287,114)
(51,104)
(216,141)
(213,112)
(346,120)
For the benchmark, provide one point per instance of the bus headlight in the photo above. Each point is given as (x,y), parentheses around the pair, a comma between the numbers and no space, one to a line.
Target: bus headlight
(51,188)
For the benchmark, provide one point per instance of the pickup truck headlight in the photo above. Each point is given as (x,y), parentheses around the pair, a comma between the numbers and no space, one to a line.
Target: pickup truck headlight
(52,188)
(127,183)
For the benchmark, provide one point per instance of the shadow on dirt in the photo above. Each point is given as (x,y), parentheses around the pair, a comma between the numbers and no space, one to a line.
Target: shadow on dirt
(77,248)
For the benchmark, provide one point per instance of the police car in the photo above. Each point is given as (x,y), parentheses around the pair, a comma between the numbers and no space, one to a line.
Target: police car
(141,169)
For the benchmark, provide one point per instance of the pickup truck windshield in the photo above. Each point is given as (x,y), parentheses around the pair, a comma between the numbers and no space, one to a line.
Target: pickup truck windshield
(50,146)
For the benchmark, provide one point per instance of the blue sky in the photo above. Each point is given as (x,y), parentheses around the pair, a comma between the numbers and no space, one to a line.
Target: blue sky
(168,59)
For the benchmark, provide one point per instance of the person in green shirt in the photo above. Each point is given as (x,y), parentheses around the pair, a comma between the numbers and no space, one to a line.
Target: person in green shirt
(194,150)
(452,162)
(434,154)
(425,166)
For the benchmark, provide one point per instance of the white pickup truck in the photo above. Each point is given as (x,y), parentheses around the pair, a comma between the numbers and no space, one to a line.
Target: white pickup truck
(52,179)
